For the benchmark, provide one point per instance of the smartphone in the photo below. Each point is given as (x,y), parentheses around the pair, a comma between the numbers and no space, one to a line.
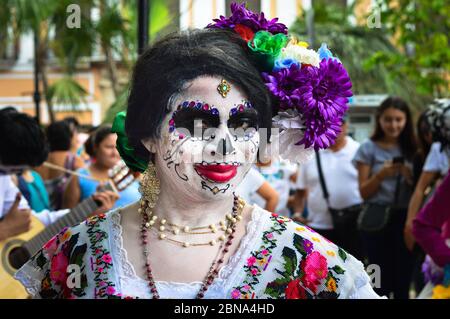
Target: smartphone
(398,160)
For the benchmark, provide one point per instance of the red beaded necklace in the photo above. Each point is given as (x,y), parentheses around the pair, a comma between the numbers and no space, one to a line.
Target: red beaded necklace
(214,269)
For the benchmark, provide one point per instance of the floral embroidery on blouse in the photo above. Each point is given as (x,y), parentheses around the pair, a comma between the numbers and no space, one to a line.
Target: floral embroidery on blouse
(53,260)
(305,272)
(260,259)
(101,260)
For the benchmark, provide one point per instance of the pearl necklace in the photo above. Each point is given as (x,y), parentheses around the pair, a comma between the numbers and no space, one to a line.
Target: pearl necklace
(213,270)
(225,226)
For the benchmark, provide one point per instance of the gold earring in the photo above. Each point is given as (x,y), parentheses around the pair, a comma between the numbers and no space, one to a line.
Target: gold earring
(150,186)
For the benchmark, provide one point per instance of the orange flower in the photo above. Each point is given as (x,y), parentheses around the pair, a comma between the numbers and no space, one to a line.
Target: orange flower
(331,285)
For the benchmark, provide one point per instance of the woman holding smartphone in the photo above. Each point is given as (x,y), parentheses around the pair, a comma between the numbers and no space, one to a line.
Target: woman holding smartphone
(384,164)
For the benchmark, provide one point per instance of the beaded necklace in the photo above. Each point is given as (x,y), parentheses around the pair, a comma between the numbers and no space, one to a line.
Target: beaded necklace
(218,261)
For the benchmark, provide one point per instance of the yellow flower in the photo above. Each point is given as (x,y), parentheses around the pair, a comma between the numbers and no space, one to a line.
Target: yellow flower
(331,285)
(295,41)
(441,292)
(66,236)
(262,261)
(316,239)
(303,44)
(300,229)
(331,253)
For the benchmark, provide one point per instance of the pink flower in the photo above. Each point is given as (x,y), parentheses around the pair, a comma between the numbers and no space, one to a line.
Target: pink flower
(254,271)
(100,270)
(251,261)
(246,288)
(58,269)
(107,258)
(110,290)
(269,236)
(315,269)
(235,294)
(51,246)
(265,252)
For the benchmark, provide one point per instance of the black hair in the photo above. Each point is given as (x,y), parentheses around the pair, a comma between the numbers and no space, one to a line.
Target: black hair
(8,110)
(59,136)
(22,142)
(163,70)
(423,129)
(407,138)
(95,138)
(73,123)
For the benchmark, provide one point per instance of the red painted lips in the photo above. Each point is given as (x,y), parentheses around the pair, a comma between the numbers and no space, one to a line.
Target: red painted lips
(217,173)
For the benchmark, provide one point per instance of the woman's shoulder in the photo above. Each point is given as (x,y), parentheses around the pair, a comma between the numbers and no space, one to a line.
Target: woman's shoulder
(293,261)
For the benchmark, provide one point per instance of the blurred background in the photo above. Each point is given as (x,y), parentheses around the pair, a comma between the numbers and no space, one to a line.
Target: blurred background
(74,58)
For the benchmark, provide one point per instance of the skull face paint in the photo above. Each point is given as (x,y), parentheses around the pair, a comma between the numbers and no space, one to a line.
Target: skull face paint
(208,143)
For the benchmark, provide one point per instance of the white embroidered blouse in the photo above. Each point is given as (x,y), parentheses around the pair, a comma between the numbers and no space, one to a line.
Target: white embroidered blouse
(277,258)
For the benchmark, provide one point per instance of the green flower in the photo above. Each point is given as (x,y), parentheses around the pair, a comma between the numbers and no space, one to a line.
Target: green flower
(126,151)
(266,48)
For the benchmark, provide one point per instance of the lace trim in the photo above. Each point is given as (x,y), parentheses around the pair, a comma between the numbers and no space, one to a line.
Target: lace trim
(117,230)
(129,276)
(30,279)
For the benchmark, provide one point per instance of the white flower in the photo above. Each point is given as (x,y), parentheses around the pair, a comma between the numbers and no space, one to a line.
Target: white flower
(301,54)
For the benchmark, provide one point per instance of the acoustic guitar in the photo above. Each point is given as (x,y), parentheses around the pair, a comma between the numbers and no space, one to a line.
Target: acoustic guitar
(16,251)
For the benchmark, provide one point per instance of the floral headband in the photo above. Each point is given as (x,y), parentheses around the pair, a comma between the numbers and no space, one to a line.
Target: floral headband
(311,88)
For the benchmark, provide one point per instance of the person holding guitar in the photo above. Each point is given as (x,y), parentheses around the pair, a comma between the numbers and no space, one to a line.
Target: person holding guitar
(101,147)
(22,146)
(199,112)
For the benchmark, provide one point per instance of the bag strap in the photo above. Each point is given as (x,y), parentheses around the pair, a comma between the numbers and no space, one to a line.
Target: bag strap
(323,185)
(397,189)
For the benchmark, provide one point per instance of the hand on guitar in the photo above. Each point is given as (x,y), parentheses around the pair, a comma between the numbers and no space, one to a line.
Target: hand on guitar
(106,201)
(16,221)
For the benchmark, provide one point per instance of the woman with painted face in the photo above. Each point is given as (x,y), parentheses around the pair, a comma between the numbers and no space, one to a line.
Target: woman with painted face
(199,113)
(384,164)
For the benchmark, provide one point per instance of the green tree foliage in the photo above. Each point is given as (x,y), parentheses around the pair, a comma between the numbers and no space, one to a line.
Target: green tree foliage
(355,46)
(421,29)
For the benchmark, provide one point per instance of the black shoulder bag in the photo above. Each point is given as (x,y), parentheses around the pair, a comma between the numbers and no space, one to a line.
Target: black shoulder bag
(375,217)
(342,218)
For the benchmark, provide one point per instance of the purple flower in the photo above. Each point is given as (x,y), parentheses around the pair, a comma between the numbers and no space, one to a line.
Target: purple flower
(319,133)
(327,90)
(320,95)
(284,84)
(431,272)
(308,246)
(241,15)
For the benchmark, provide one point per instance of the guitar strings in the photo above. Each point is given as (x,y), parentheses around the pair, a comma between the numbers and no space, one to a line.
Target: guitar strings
(68,171)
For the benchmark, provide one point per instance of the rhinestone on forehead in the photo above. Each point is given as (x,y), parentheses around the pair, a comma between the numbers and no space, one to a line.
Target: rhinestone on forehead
(224,88)
(240,108)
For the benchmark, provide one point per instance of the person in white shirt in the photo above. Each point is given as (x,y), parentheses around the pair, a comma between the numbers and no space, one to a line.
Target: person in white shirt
(15,156)
(341,180)
(254,183)
(279,175)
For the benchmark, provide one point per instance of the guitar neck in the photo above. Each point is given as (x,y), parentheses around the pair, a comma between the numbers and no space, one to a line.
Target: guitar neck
(72,218)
